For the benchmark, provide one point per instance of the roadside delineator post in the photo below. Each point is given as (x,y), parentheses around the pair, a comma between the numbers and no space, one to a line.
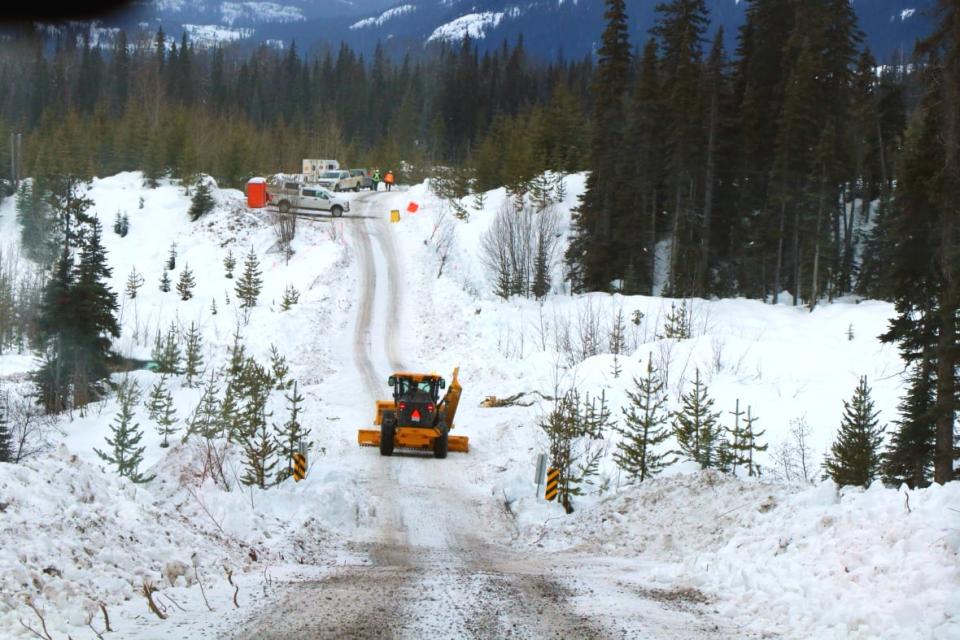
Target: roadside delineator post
(553,484)
(540,473)
(299,466)
(395,215)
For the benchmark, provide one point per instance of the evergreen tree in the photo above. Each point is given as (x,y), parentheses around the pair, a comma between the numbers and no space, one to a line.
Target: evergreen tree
(259,444)
(172,257)
(94,305)
(676,325)
(291,434)
(186,283)
(202,202)
(696,426)
(925,272)
(76,317)
(249,285)
(213,306)
(123,452)
(290,297)
(279,368)
(644,428)
(229,263)
(155,398)
(909,455)
(56,336)
(167,353)
(595,256)
(742,441)
(134,282)
(855,455)
(575,428)
(206,420)
(166,417)
(165,282)
(194,356)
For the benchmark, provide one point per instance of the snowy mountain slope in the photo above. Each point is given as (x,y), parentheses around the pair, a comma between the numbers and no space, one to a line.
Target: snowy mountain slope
(771,567)
(549,27)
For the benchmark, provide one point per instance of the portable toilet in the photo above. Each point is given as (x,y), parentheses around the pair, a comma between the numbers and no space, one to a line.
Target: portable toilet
(257,193)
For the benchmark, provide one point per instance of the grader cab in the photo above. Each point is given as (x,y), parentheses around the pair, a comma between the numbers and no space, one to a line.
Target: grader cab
(417,417)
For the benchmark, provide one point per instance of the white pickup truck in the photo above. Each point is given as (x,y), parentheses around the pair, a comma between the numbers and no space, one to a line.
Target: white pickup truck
(287,195)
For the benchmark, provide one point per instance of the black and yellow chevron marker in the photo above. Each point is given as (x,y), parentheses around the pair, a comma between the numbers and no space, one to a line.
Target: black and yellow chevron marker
(553,483)
(299,466)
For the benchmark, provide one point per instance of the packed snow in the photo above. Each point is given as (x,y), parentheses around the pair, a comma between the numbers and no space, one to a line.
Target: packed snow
(791,560)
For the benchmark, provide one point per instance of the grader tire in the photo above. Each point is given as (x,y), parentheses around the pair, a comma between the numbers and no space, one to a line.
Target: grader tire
(386,437)
(440,445)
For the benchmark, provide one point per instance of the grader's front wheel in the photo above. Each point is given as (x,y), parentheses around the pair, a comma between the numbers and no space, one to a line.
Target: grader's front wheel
(386,436)
(440,444)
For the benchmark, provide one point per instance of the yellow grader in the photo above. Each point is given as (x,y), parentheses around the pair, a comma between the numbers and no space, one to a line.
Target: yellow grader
(417,418)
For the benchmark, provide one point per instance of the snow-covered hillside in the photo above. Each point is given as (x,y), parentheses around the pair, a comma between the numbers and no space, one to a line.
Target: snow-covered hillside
(772,559)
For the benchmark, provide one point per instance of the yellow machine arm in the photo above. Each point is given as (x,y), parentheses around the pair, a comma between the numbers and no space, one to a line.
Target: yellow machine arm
(451,400)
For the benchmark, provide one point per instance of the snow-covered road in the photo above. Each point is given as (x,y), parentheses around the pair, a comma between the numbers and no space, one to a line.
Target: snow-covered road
(439,562)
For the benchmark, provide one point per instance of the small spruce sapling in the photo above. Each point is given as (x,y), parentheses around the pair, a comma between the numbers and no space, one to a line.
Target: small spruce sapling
(166,418)
(134,282)
(165,281)
(696,426)
(250,284)
(186,283)
(855,455)
(202,202)
(278,364)
(154,402)
(291,434)
(169,355)
(617,340)
(229,264)
(123,451)
(172,257)
(290,297)
(194,355)
(644,428)
(207,419)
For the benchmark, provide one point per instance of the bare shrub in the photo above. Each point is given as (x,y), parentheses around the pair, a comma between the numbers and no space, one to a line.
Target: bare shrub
(285,227)
(793,459)
(31,430)
(519,251)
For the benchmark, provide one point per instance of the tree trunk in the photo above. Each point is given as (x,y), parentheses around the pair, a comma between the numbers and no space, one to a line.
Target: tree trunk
(815,280)
(708,198)
(776,273)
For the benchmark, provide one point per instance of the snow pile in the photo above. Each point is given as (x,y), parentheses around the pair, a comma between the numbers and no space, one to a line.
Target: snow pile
(474,25)
(73,536)
(231,12)
(384,17)
(820,564)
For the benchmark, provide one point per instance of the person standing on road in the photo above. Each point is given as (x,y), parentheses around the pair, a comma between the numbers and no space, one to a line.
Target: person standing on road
(388,179)
(375,180)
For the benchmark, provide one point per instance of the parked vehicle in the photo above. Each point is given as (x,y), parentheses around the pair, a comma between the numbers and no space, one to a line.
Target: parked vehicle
(288,196)
(339,181)
(366,182)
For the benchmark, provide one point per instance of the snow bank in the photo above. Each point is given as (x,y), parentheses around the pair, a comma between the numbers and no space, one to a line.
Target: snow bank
(817,562)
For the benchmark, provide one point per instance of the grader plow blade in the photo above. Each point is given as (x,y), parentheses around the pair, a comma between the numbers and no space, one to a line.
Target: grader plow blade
(414,439)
